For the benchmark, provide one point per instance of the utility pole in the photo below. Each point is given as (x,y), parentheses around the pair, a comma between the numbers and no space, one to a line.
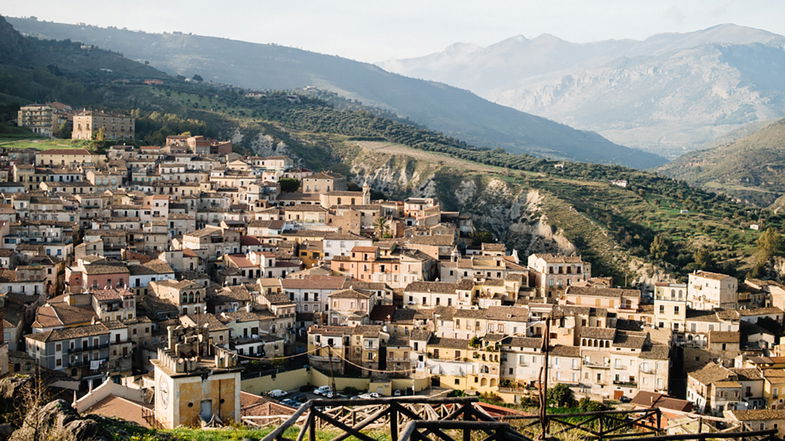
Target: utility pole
(332,373)
(546,343)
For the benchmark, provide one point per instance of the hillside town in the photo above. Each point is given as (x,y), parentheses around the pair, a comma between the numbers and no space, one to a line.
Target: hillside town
(161,283)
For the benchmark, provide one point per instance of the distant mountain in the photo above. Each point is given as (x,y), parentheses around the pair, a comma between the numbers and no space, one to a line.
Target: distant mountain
(668,94)
(751,168)
(455,112)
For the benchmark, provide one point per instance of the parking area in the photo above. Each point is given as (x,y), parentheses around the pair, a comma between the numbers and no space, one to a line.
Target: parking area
(297,397)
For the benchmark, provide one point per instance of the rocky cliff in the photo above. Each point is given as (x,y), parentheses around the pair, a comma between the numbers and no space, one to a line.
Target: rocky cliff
(524,218)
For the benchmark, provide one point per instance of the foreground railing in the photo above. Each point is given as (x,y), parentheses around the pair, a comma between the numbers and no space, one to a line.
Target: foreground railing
(451,419)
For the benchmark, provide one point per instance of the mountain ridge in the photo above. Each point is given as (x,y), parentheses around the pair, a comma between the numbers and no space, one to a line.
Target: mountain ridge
(669,93)
(453,111)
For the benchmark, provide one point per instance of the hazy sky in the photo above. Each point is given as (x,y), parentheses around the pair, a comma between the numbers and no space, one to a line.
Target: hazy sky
(373,30)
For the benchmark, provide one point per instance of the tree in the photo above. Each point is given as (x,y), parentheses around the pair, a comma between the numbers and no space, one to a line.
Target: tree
(289,185)
(769,244)
(62,131)
(381,226)
(659,247)
(561,396)
(100,134)
(703,258)
(198,78)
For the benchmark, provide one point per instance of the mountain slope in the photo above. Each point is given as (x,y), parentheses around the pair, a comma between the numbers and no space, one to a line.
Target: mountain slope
(455,112)
(530,203)
(751,168)
(669,94)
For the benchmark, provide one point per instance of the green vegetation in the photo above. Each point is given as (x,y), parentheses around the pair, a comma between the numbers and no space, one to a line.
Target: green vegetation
(44,143)
(125,431)
(769,244)
(561,396)
(289,185)
(749,168)
(607,223)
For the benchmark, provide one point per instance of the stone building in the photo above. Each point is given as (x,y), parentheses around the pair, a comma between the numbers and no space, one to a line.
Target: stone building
(88,123)
(197,383)
(42,119)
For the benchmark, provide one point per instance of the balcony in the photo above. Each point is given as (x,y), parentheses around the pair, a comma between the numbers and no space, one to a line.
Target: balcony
(625,383)
(89,348)
(80,363)
(596,365)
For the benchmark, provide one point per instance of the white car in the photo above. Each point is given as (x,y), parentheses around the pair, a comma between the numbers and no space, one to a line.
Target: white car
(326,391)
(277,393)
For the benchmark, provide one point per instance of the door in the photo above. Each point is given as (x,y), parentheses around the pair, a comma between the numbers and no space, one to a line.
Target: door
(206,410)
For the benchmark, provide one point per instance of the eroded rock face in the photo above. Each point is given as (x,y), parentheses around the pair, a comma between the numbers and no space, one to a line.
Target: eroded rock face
(57,420)
(513,213)
(258,142)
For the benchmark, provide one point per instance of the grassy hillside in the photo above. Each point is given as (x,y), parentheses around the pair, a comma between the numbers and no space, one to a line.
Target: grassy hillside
(751,168)
(608,224)
(454,111)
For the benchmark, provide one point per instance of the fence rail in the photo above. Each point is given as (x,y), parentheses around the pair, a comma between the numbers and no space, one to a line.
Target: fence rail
(453,418)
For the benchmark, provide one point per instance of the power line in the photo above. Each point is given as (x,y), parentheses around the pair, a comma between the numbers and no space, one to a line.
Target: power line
(281,357)
(400,371)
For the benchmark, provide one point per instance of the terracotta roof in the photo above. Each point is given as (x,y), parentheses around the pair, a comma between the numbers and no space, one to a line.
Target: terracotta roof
(724,337)
(710,373)
(64,152)
(69,333)
(96,269)
(436,287)
(314,282)
(559,258)
(58,313)
(658,400)
(601,333)
(656,352)
(348,294)
(453,343)
(524,342)
(710,275)
(330,330)
(759,311)
(566,351)
(122,408)
(758,414)
(600,291)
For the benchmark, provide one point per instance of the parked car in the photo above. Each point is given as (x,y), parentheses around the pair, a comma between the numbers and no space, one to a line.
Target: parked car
(290,402)
(277,393)
(374,395)
(397,393)
(325,391)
